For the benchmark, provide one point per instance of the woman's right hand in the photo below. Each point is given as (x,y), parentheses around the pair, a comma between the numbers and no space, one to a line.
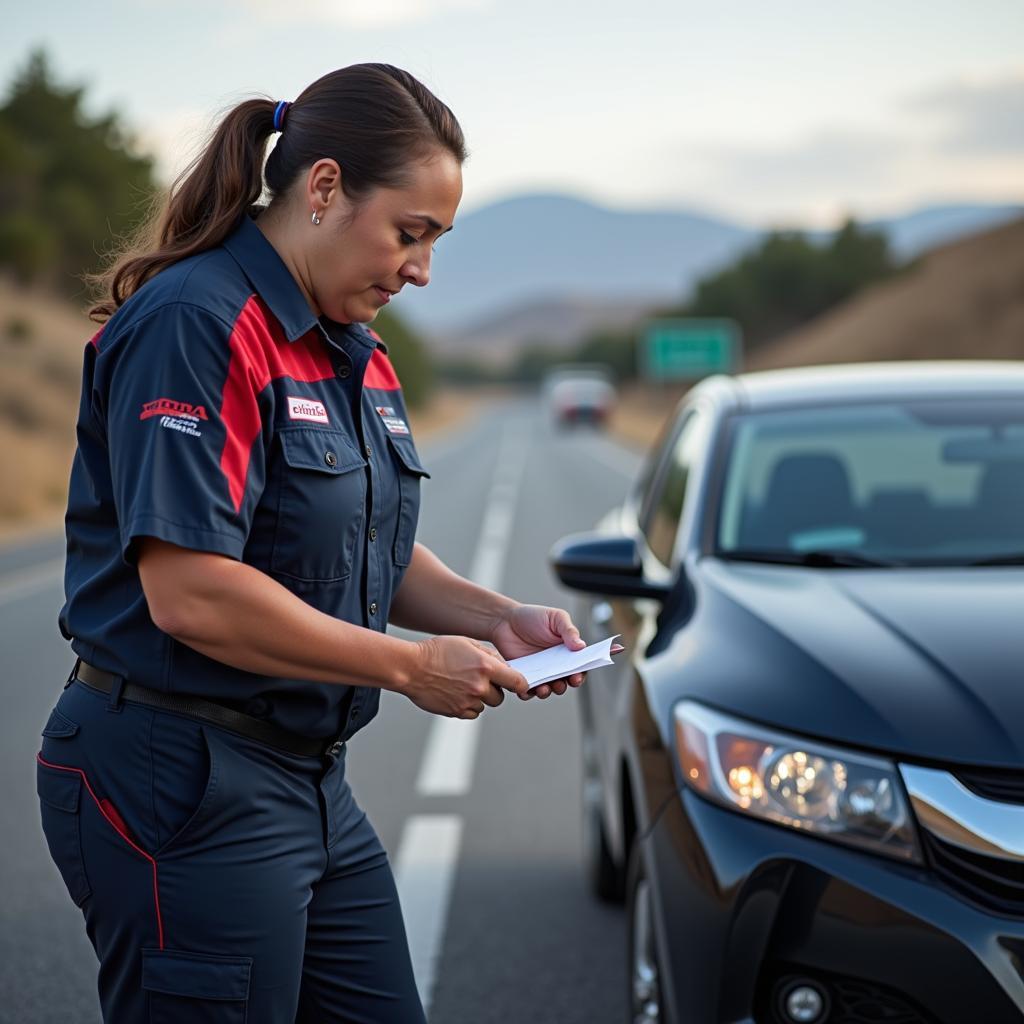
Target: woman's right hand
(459,677)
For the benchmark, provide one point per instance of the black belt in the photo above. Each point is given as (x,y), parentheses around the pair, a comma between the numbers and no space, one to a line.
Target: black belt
(207,711)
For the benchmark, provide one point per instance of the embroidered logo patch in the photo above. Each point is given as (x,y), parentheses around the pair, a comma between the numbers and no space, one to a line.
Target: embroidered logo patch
(180,416)
(395,424)
(307,409)
(169,407)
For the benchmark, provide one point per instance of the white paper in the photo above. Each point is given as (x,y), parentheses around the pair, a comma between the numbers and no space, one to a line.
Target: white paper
(559,662)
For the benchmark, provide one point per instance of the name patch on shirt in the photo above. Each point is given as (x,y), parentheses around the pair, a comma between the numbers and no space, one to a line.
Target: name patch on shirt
(307,409)
(395,424)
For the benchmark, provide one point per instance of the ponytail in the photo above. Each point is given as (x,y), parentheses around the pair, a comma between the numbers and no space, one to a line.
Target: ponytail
(201,209)
(372,119)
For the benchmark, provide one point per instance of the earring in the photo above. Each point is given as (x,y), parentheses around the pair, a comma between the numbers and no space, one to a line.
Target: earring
(316,219)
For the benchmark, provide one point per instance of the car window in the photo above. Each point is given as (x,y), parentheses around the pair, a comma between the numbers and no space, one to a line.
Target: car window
(913,482)
(664,507)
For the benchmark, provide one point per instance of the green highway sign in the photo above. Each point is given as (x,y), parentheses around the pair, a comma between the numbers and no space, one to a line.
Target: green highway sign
(689,348)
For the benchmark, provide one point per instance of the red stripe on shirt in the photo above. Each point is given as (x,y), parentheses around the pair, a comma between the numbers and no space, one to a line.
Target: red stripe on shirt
(260,353)
(380,373)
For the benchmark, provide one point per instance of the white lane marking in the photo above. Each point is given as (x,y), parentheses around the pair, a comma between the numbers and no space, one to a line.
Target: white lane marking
(489,561)
(424,871)
(428,852)
(21,584)
(447,768)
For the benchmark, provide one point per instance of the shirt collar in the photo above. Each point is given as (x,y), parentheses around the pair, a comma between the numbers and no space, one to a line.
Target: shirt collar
(274,283)
(270,277)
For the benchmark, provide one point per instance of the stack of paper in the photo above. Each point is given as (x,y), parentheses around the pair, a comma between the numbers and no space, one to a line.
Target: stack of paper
(559,662)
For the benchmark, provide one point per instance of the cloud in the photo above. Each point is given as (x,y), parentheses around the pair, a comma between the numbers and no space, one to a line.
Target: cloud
(358,14)
(978,117)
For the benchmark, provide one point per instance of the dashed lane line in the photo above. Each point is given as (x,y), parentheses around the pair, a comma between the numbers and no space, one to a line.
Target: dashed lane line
(428,852)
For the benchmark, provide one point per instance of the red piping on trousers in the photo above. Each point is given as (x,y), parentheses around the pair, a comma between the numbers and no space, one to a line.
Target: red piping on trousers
(119,828)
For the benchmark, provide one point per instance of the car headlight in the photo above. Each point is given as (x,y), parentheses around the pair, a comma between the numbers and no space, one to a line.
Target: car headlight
(806,785)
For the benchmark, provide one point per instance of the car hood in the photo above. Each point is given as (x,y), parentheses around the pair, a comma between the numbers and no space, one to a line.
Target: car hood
(927,663)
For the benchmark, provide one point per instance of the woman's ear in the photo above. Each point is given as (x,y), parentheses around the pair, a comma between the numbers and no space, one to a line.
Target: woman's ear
(323,181)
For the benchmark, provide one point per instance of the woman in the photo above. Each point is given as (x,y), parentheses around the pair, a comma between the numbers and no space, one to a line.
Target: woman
(240,530)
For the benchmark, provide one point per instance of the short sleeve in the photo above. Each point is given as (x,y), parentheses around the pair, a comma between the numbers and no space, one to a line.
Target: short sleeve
(184,433)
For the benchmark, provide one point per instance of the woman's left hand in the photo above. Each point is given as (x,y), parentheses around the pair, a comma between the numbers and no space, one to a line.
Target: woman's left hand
(529,628)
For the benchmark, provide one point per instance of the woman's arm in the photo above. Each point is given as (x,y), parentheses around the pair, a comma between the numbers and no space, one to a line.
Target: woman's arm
(433,599)
(238,615)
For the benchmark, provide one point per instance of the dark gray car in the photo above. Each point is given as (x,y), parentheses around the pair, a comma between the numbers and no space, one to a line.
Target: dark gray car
(807,778)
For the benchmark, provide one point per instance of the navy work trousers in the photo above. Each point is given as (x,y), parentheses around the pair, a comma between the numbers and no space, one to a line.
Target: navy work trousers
(221,880)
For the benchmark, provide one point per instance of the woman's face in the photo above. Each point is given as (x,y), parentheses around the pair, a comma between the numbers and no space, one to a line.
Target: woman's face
(361,254)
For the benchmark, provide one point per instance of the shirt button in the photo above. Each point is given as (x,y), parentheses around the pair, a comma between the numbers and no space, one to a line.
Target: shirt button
(355,714)
(373,533)
(369,451)
(330,458)
(345,371)
(373,608)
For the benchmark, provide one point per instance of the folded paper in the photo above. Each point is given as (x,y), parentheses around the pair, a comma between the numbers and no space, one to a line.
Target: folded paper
(559,662)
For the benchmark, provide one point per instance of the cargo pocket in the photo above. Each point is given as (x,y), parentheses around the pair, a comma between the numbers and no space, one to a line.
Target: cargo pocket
(322,483)
(197,987)
(410,471)
(60,792)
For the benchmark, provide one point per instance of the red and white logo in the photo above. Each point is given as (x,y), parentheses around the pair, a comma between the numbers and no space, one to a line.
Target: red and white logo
(169,407)
(307,409)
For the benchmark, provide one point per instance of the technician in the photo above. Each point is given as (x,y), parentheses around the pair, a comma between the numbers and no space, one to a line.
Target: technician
(240,530)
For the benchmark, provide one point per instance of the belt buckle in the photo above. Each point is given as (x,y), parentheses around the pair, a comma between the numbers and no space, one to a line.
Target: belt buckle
(334,748)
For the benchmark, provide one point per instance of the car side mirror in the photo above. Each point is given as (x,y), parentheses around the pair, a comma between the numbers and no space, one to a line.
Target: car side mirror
(601,563)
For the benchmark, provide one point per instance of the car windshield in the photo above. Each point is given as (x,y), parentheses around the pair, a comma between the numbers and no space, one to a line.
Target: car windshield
(887,484)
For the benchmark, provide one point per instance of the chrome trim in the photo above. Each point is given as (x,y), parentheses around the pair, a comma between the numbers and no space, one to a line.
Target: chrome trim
(949,810)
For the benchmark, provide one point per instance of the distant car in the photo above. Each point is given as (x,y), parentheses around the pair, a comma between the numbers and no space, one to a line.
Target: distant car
(807,776)
(579,394)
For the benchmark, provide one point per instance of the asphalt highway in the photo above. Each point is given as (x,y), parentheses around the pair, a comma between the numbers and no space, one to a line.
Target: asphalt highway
(480,820)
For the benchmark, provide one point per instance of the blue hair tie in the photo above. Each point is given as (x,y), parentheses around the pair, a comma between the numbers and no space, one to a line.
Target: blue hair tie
(279,112)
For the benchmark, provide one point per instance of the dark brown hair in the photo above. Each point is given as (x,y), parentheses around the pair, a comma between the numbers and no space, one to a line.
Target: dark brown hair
(373,119)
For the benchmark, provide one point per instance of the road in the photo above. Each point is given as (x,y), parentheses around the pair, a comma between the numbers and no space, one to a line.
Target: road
(481,820)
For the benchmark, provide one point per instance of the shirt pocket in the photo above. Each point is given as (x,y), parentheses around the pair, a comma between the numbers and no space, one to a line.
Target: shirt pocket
(321,505)
(410,472)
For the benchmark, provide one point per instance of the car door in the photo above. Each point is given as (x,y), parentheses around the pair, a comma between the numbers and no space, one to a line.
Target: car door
(653,515)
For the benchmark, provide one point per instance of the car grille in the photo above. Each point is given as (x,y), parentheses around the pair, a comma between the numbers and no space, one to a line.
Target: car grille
(993,784)
(994,883)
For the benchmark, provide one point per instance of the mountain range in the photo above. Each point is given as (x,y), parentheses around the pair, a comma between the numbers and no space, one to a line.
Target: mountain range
(555,267)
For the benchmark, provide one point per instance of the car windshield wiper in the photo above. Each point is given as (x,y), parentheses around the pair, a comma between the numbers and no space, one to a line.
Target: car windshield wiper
(1014,558)
(821,558)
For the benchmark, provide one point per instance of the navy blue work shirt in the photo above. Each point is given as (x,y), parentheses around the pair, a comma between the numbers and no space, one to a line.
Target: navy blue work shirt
(220,414)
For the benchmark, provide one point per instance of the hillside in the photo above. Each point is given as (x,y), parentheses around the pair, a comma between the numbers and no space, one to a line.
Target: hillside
(963,300)
(41,343)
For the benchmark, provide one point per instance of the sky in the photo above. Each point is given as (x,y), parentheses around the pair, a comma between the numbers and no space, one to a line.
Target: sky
(766,112)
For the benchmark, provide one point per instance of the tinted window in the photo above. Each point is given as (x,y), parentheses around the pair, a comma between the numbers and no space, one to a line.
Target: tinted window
(921,482)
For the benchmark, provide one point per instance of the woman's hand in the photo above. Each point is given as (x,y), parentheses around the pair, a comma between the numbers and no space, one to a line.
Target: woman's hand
(528,628)
(459,677)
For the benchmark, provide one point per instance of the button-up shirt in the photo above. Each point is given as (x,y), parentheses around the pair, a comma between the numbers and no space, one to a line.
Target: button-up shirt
(219,414)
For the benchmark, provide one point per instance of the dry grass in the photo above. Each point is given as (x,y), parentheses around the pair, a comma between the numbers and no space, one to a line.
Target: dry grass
(41,345)
(642,411)
(963,301)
